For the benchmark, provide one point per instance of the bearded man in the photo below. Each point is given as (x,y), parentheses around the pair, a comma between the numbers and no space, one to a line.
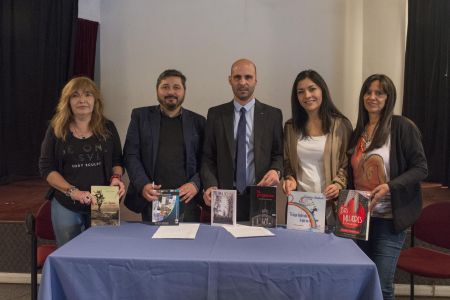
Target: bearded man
(163,150)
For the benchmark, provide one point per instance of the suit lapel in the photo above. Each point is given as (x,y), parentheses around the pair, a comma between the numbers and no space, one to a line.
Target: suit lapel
(228,124)
(259,127)
(187,123)
(258,122)
(155,123)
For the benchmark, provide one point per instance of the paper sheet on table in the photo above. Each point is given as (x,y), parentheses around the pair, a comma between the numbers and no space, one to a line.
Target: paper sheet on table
(242,231)
(182,231)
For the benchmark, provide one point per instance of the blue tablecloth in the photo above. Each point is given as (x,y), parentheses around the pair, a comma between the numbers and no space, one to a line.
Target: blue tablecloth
(126,263)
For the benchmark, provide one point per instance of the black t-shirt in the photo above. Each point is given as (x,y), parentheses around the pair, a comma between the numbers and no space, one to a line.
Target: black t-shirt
(82,167)
(171,163)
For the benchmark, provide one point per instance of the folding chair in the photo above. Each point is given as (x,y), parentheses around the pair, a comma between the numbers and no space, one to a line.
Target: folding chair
(40,228)
(432,227)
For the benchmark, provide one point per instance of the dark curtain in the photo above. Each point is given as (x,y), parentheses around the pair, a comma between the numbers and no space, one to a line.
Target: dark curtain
(426,89)
(36,54)
(85,44)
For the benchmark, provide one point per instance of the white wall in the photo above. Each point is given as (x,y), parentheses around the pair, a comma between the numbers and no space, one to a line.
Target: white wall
(344,40)
(89,10)
(385,41)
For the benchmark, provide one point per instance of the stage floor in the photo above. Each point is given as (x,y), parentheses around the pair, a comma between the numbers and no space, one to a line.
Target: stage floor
(19,198)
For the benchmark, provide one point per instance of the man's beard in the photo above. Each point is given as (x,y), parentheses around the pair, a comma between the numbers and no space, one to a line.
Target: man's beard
(245,96)
(171,106)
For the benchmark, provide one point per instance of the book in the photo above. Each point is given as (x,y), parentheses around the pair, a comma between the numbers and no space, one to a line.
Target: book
(223,207)
(263,206)
(107,209)
(166,209)
(353,216)
(306,211)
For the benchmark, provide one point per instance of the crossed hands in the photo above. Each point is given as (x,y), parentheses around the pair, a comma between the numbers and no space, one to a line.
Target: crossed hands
(187,191)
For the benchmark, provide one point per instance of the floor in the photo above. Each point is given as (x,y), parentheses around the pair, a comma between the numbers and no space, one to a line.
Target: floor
(15,292)
(23,292)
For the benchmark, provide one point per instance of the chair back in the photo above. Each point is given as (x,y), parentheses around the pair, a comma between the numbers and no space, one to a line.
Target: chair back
(44,228)
(433,225)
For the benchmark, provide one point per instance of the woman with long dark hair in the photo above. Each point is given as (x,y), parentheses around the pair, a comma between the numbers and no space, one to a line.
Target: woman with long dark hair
(315,141)
(387,159)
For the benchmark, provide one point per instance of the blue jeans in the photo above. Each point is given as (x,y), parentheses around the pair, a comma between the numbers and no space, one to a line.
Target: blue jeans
(383,248)
(67,224)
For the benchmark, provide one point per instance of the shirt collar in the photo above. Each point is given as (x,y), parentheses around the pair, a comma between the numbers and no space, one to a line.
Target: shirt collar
(248,106)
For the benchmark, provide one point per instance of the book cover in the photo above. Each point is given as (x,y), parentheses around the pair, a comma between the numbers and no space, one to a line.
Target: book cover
(353,216)
(107,209)
(263,206)
(165,210)
(306,211)
(223,207)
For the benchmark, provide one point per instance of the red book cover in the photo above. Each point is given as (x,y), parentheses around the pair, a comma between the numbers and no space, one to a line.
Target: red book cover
(353,215)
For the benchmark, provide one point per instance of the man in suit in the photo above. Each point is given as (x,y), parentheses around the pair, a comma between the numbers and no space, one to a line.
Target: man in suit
(244,120)
(163,150)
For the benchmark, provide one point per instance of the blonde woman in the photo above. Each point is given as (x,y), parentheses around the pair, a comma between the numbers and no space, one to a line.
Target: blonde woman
(81,148)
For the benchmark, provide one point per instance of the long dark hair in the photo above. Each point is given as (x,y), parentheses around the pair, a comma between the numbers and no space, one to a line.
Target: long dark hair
(327,109)
(384,124)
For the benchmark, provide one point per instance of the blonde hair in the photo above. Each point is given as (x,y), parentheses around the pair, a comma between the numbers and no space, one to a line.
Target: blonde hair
(64,115)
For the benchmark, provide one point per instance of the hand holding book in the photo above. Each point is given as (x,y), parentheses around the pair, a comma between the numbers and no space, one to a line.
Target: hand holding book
(271,178)
(377,193)
(289,185)
(187,192)
(331,191)
(117,181)
(151,191)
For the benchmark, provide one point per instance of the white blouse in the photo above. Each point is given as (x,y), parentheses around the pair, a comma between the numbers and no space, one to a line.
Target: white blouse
(310,153)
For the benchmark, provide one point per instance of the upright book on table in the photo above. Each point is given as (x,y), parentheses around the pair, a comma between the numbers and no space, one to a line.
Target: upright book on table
(223,207)
(107,210)
(353,216)
(306,211)
(165,210)
(263,206)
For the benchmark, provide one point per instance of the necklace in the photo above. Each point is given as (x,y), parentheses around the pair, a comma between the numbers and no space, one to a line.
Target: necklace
(367,138)
(78,134)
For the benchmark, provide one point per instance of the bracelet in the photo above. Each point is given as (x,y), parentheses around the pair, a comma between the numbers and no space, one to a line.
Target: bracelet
(337,183)
(118,176)
(70,191)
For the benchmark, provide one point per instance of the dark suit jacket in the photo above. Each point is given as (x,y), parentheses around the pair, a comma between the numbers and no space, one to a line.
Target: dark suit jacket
(141,150)
(218,162)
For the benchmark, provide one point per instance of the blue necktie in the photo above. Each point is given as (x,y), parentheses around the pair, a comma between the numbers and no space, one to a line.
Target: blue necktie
(241,153)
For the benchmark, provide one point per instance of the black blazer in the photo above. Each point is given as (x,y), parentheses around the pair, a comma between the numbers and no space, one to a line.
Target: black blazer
(141,149)
(218,162)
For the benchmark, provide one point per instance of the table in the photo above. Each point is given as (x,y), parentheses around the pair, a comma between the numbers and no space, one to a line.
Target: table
(124,262)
